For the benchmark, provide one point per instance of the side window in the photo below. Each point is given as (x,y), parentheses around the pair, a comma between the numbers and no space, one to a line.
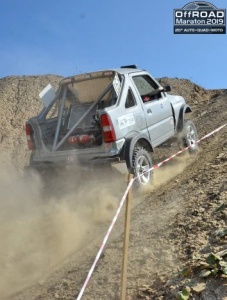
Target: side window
(146,87)
(130,100)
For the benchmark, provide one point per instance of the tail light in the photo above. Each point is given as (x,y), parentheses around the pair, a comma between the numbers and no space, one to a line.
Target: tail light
(107,129)
(29,135)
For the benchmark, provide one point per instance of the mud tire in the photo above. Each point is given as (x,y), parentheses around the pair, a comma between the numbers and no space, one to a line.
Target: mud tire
(190,136)
(142,162)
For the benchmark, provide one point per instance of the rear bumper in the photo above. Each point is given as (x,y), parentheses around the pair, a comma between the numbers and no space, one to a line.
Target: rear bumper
(71,162)
(100,155)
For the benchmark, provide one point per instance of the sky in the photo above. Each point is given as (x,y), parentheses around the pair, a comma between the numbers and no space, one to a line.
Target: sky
(76,36)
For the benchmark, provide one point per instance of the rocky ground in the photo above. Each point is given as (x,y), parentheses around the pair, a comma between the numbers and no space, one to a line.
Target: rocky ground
(178,246)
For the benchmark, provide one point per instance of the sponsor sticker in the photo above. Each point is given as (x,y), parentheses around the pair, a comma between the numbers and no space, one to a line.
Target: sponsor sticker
(117,84)
(126,121)
(199,17)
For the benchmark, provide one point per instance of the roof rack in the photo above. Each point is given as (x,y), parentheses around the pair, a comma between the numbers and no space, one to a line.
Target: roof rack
(129,67)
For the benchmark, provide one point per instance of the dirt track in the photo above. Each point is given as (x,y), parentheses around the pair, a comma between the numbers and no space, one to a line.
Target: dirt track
(172,223)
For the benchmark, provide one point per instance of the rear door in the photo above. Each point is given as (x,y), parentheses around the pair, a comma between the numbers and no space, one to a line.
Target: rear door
(157,109)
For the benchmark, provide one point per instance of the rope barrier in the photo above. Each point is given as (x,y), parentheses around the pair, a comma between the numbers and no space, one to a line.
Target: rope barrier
(122,202)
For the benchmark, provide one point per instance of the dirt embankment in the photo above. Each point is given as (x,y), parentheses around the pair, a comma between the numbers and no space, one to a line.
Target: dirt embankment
(175,222)
(19,100)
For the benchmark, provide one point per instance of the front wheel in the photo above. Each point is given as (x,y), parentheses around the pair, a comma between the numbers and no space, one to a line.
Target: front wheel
(190,136)
(142,164)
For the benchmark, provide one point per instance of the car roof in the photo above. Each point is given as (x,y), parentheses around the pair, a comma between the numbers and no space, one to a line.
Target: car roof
(121,71)
(127,70)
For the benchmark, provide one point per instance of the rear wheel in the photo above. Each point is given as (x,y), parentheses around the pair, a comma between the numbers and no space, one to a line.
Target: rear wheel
(142,164)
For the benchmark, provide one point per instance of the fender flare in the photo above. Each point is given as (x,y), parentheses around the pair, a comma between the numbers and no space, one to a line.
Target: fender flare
(129,147)
(183,110)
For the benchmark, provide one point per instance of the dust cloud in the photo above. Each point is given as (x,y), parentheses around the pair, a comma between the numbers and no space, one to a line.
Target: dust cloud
(37,232)
(168,171)
(40,227)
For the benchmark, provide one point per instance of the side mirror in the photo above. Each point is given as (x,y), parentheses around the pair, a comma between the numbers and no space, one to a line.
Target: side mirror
(155,92)
(167,88)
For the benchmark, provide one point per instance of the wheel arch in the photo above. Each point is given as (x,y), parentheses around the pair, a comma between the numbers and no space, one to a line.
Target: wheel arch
(183,110)
(130,143)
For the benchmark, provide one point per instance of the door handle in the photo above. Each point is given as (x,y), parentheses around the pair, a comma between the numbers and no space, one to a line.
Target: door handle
(149,111)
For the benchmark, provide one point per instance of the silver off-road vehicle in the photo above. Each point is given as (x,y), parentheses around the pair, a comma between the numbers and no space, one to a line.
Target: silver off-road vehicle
(118,115)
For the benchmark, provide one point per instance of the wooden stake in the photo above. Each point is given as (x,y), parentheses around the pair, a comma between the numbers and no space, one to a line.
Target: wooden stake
(126,242)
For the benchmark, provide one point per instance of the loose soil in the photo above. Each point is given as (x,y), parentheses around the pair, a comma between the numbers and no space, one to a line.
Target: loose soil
(48,243)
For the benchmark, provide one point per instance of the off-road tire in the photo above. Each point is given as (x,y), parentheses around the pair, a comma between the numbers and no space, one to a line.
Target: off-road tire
(142,162)
(190,136)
